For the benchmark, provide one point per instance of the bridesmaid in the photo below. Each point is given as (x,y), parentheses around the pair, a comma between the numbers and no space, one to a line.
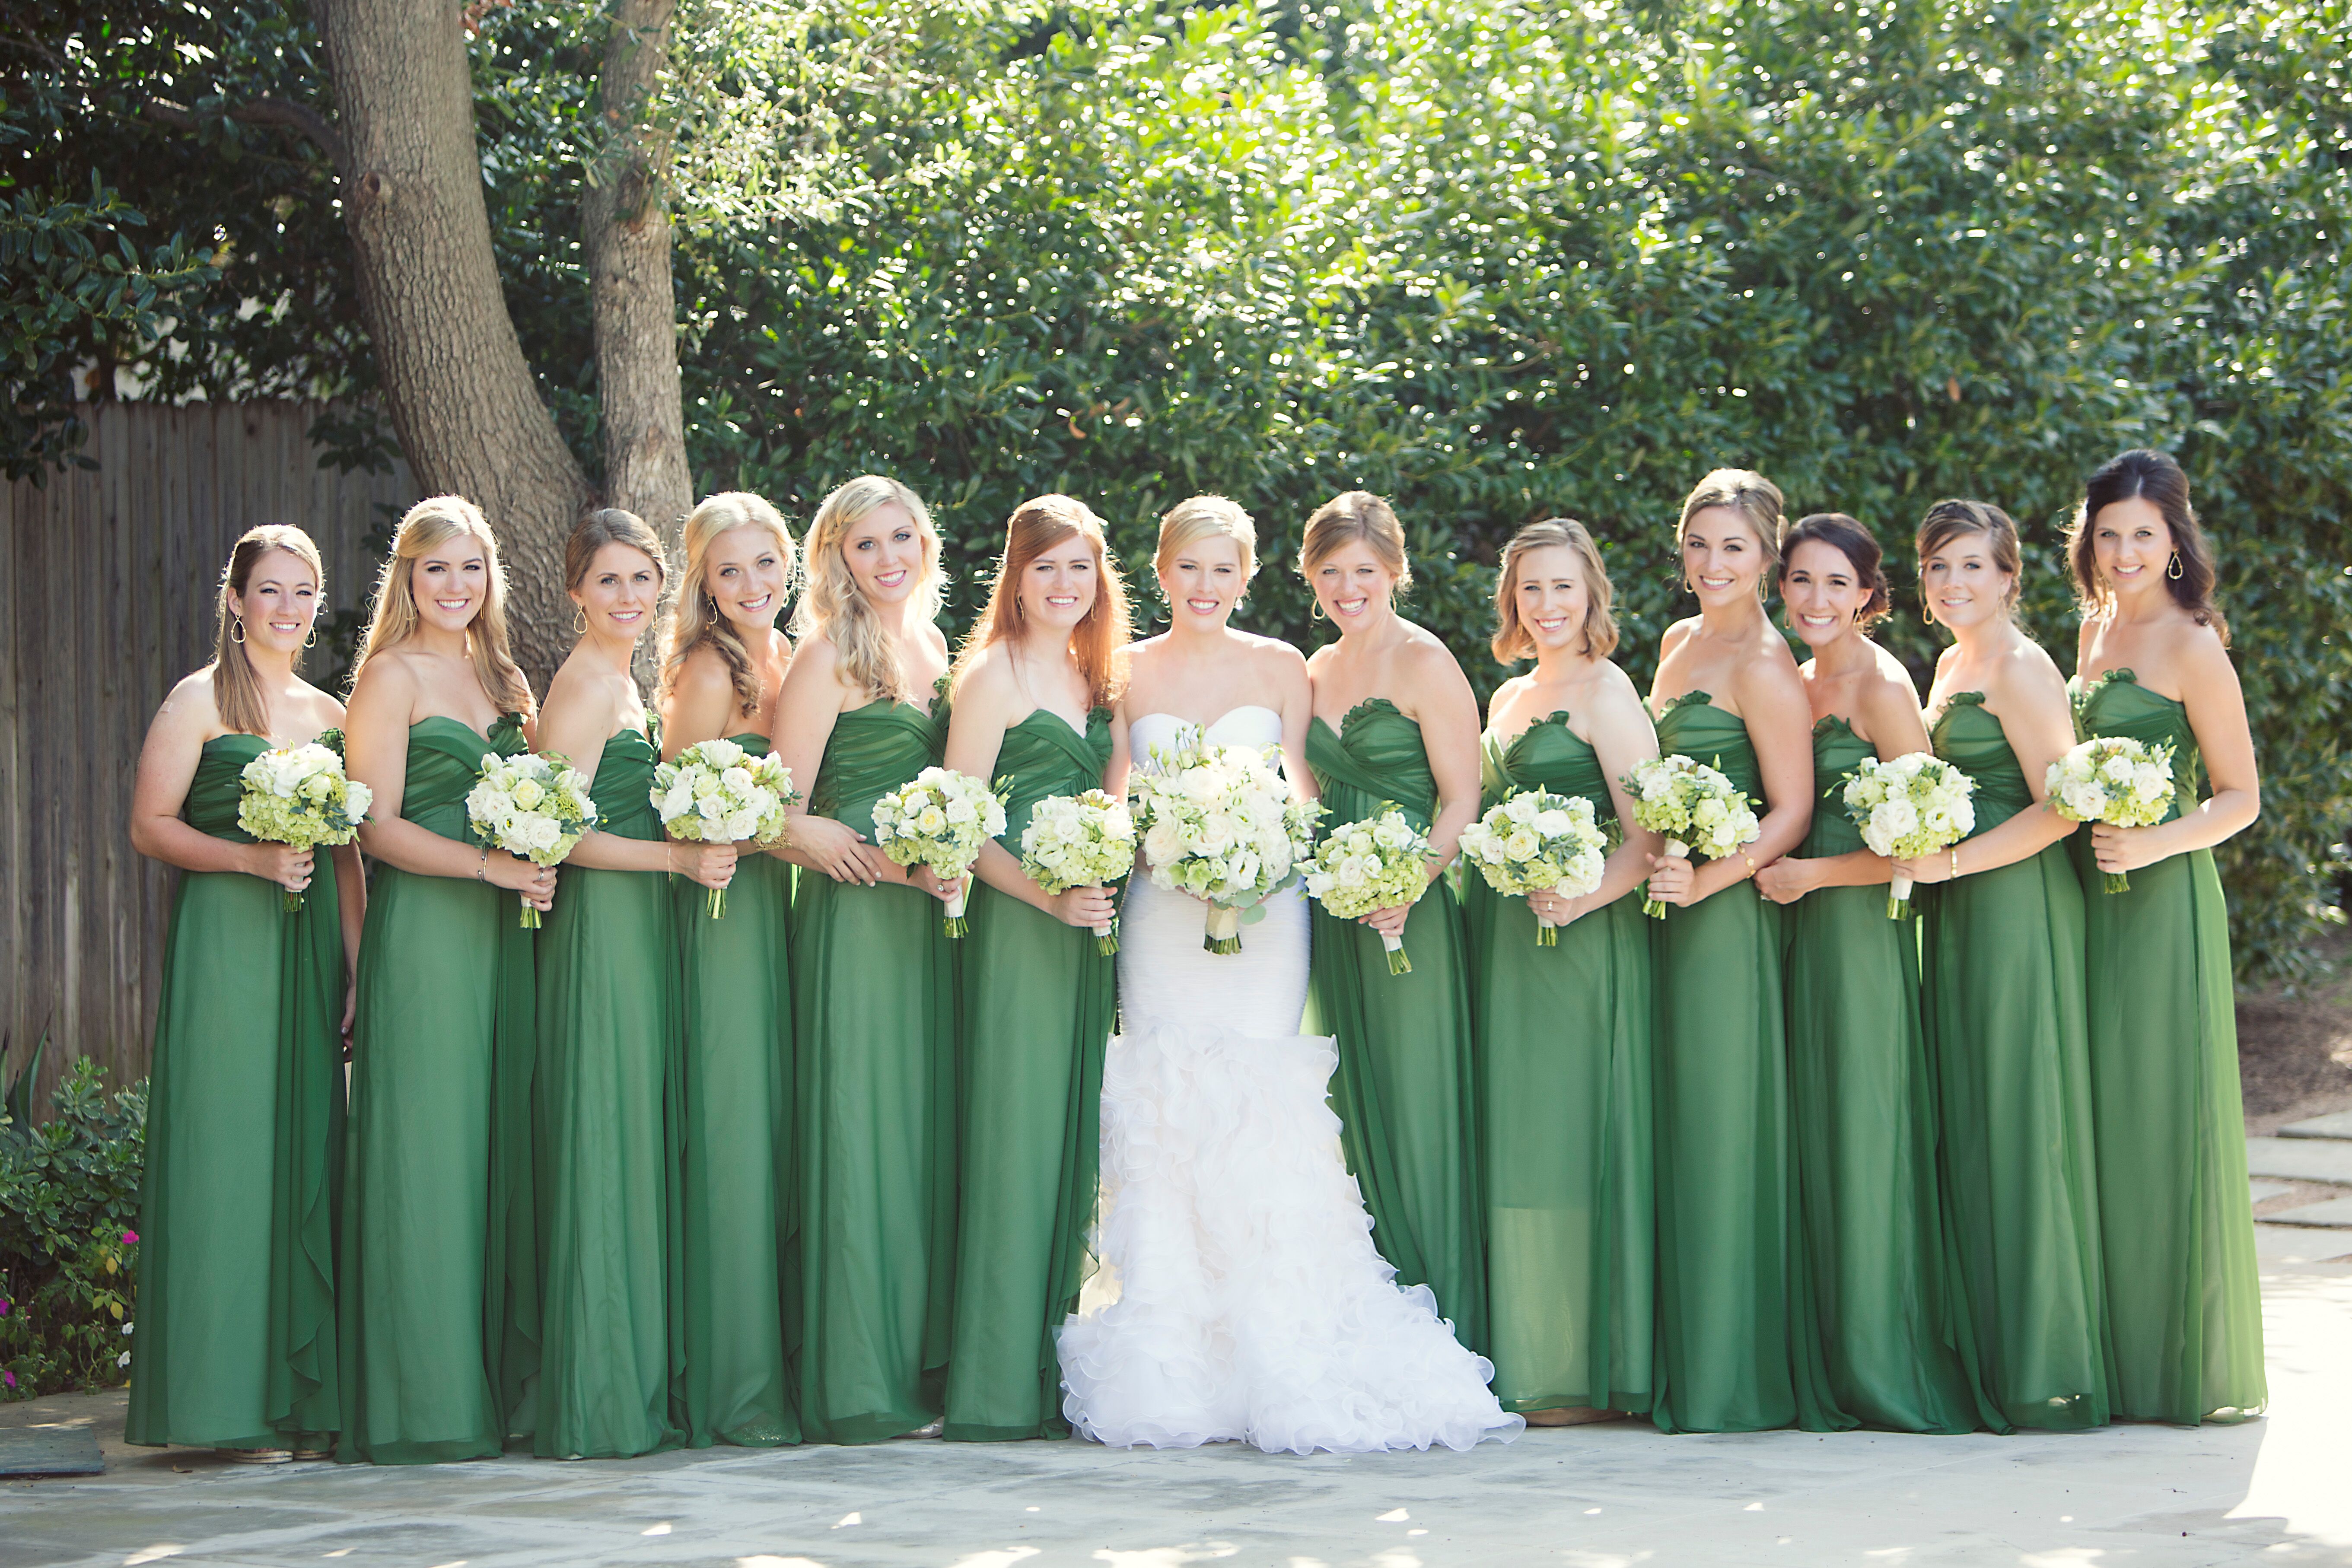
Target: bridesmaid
(723,665)
(2183,1306)
(607,1097)
(1735,1348)
(1563,1033)
(874,978)
(439,1288)
(1869,1228)
(1395,722)
(245,1126)
(1032,689)
(2003,1001)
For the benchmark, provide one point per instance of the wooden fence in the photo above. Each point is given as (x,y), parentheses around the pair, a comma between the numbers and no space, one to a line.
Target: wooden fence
(107,585)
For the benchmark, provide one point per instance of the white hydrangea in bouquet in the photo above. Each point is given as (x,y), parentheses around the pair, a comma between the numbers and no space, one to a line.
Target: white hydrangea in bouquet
(1701,812)
(533,804)
(1906,807)
(301,796)
(2115,780)
(1378,863)
(1537,840)
(939,819)
(1219,823)
(717,793)
(1079,841)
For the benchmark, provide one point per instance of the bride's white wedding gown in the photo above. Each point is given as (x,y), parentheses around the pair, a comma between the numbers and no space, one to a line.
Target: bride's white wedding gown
(1253,1305)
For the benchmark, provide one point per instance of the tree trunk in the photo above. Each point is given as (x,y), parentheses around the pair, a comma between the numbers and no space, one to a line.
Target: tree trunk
(459,391)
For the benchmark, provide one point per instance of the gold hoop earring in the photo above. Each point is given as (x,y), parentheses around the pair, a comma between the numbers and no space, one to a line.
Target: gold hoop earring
(237,631)
(580,620)
(1926,615)
(1315,610)
(2173,571)
(312,640)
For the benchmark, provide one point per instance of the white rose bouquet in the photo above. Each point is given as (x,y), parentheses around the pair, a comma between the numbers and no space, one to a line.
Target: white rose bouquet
(1079,841)
(1219,823)
(718,793)
(2115,780)
(1908,807)
(1378,863)
(939,819)
(1701,812)
(300,795)
(534,805)
(1537,840)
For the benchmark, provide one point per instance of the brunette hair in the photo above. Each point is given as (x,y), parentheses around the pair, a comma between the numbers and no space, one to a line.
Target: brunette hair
(1357,515)
(1950,520)
(1512,640)
(1847,536)
(1101,636)
(1197,518)
(834,607)
(2156,478)
(237,690)
(609,525)
(696,620)
(436,520)
(1755,498)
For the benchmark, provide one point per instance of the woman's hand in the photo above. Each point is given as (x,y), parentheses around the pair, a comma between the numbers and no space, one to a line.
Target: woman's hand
(839,851)
(280,863)
(1092,908)
(1389,921)
(1927,869)
(516,874)
(351,1011)
(946,891)
(1549,905)
(1671,879)
(1787,879)
(2121,849)
(711,865)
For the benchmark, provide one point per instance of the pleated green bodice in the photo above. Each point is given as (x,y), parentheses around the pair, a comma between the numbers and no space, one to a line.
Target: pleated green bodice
(1545,755)
(1972,741)
(1043,756)
(445,759)
(1692,727)
(622,788)
(1837,751)
(219,784)
(1375,757)
(2117,704)
(873,749)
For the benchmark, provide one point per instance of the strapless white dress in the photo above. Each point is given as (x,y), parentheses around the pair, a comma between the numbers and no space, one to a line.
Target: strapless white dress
(1250,1302)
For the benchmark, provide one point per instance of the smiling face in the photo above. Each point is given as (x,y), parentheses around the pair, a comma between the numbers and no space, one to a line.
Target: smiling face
(1723,557)
(1057,588)
(1825,594)
(2132,545)
(1963,585)
(1204,581)
(1354,586)
(619,591)
(450,582)
(744,573)
(883,552)
(1549,594)
(279,603)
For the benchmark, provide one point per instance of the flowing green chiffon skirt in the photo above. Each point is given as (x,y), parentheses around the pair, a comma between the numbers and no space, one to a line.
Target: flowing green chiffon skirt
(741,1256)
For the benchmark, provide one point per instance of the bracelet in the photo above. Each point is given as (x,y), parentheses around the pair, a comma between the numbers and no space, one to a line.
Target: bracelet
(482,865)
(1956,862)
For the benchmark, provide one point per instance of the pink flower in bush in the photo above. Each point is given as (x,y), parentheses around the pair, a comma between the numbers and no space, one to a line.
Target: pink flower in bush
(10,1376)
(129,1238)
(3,1306)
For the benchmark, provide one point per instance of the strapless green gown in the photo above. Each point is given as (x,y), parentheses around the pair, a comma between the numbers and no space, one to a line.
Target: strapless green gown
(1736,1347)
(741,1295)
(2184,1305)
(610,1131)
(873,1017)
(439,1294)
(237,1211)
(2002,1000)
(1869,1219)
(1038,1012)
(1405,1090)
(1563,1046)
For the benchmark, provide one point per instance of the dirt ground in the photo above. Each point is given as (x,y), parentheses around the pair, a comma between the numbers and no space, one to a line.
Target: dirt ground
(2294,1052)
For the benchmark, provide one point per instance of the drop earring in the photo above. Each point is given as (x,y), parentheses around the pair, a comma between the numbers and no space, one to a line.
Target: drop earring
(580,619)
(237,631)
(312,640)
(1315,610)
(2173,571)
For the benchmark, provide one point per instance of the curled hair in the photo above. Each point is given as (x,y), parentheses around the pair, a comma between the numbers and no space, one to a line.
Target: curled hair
(237,690)
(1101,634)
(1755,498)
(1950,520)
(435,521)
(1356,516)
(2155,478)
(1197,518)
(1512,640)
(1847,536)
(696,620)
(835,608)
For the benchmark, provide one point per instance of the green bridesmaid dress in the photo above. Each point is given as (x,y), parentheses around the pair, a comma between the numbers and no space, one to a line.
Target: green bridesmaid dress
(1406,1091)
(873,1017)
(238,1216)
(439,1294)
(1038,1012)
(2002,999)
(1736,1347)
(609,1131)
(741,1259)
(2184,1306)
(1563,1044)
(1869,1220)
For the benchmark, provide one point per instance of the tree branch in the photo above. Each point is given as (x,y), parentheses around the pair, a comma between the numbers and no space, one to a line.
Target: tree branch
(283,113)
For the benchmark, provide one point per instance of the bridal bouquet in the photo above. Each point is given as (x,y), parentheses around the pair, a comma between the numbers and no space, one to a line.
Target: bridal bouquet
(718,793)
(1376,864)
(2115,780)
(1537,840)
(300,795)
(939,819)
(1079,841)
(534,805)
(1700,811)
(1219,823)
(1910,805)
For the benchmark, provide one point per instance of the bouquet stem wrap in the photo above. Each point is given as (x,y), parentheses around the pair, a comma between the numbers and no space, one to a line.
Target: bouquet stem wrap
(1651,906)
(954,924)
(1898,896)
(1223,932)
(1399,963)
(1106,940)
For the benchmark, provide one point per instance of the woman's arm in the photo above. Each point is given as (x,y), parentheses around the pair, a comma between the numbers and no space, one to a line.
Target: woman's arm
(1447,711)
(1888,711)
(2039,724)
(1297,710)
(167,767)
(807,705)
(983,704)
(2217,716)
(1780,723)
(1622,736)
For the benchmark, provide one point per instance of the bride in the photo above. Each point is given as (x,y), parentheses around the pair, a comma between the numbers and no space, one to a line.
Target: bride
(1251,1304)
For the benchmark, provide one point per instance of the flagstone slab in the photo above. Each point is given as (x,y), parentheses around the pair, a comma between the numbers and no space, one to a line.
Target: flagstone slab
(2334,1212)
(2263,1192)
(2301,1158)
(2337,1124)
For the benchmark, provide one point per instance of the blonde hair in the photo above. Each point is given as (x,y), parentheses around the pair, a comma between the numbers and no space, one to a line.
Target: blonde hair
(696,620)
(1197,518)
(1512,640)
(237,690)
(834,607)
(1101,636)
(1357,515)
(1755,498)
(436,520)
